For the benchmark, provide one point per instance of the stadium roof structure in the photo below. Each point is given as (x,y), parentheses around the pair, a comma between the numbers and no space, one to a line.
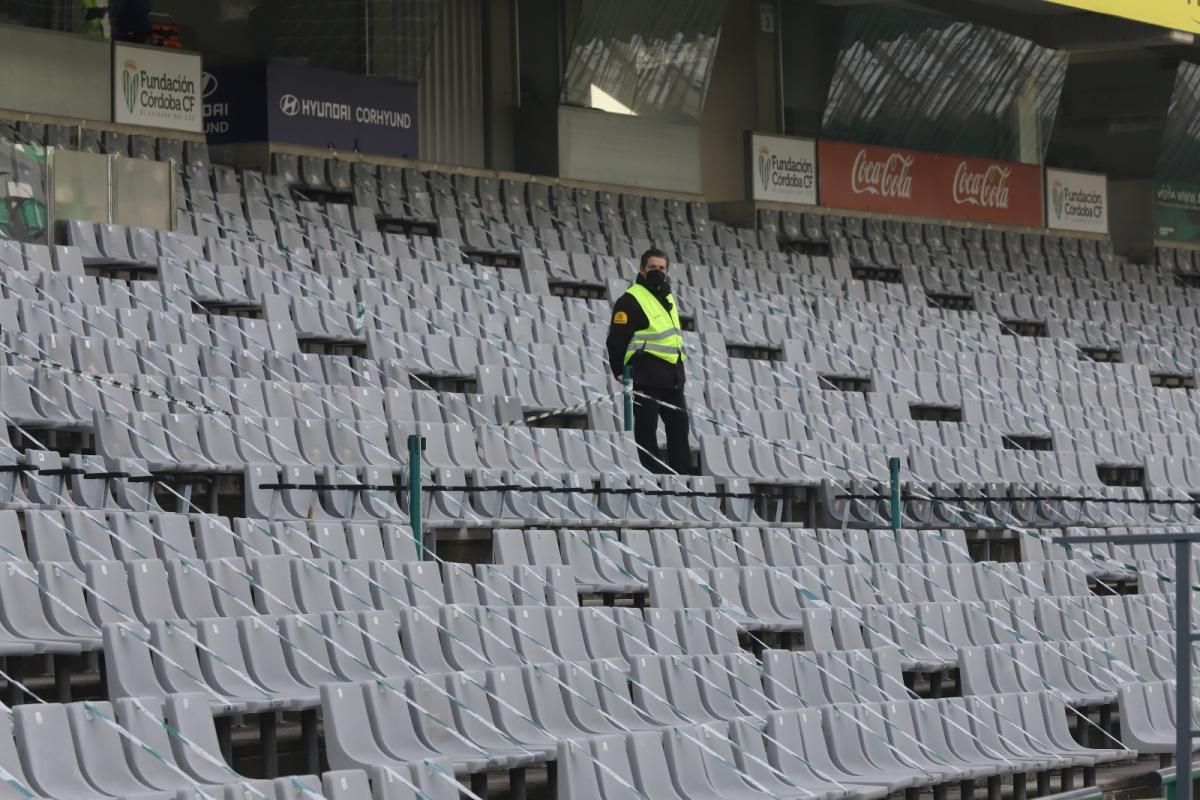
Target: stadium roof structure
(1077,25)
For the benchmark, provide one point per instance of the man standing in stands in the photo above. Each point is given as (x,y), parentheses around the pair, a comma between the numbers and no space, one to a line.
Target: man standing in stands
(645,334)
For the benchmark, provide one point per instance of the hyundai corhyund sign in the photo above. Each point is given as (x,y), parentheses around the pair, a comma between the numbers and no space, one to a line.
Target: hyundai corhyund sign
(291,103)
(157,88)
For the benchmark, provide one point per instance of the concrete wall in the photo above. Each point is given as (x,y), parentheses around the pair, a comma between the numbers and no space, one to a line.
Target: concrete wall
(55,73)
(500,83)
(451,88)
(746,92)
(634,151)
(811,37)
(732,106)
(1131,218)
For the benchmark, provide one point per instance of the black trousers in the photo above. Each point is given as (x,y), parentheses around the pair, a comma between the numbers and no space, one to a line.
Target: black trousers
(673,411)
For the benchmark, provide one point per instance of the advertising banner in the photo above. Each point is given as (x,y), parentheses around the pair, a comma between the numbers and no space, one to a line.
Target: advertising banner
(235,108)
(157,88)
(999,192)
(782,170)
(1179,15)
(291,103)
(882,179)
(1177,211)
(913,183)
(1076,201)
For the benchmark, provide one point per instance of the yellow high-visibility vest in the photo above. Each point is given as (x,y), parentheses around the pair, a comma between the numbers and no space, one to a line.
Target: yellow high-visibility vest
(663,335)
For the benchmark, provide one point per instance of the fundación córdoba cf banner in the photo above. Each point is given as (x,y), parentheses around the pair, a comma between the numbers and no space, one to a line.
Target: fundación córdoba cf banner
(782,169)
(1076,201)
(157,88)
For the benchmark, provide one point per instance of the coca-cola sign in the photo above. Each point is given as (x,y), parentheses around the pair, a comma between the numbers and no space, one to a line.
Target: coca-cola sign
(891,177)
(991,191)
(987,189)
(912,183)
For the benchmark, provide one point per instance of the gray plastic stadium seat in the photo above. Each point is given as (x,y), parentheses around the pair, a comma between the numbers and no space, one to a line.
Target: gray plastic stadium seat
(154,765)
(346,646)
(1145,715)
(190,716)
(348,784)
(177,665)
(863,755)
(473,718)
(384,651)
(67,612)
(298,787)
(18,786)
(52,770)
(150,590)
(264,647)
(391,715)
(306,650)
(191,589)
(225,669)
(313,583)
(24,617)
(98,746)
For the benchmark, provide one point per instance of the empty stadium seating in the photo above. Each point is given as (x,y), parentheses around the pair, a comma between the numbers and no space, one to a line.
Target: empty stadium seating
(204,465)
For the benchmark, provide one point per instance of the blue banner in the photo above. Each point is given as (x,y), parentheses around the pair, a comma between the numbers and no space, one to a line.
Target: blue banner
(290,103)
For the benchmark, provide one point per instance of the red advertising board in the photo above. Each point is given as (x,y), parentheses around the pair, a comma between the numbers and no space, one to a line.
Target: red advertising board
(911,183)
(991,191)
(883,179)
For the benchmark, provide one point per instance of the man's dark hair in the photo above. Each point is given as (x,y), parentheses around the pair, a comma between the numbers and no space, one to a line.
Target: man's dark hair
(653,252)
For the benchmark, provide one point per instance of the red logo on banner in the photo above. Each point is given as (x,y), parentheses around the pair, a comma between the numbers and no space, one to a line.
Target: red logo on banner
(889,178)
(912,183)
(991,191)
(987,189)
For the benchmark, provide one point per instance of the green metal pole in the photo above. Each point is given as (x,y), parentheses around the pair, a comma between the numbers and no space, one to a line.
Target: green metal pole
(416,445)
(627,379)
(894,469)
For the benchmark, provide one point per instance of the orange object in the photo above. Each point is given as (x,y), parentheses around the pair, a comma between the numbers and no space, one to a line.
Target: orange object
(166,34)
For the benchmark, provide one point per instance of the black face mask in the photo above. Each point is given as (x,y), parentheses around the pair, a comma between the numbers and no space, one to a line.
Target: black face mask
(658,282)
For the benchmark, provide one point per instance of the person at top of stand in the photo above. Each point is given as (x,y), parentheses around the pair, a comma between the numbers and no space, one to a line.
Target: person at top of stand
(119,20)
(96,21)
(645,334)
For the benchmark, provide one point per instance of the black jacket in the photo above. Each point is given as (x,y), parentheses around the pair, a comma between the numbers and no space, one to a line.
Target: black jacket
(649,371)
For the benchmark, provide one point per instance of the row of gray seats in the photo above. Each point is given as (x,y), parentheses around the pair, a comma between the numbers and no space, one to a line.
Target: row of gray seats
(263,663)
(939,237)
(143,748)
(607,557)
(44,478)
(797,679)
(754,547)
(1088,672)
(931,635)
(1148,720)
(82,535)
(525,498)
(765,586)
(56,603)
(865,750)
